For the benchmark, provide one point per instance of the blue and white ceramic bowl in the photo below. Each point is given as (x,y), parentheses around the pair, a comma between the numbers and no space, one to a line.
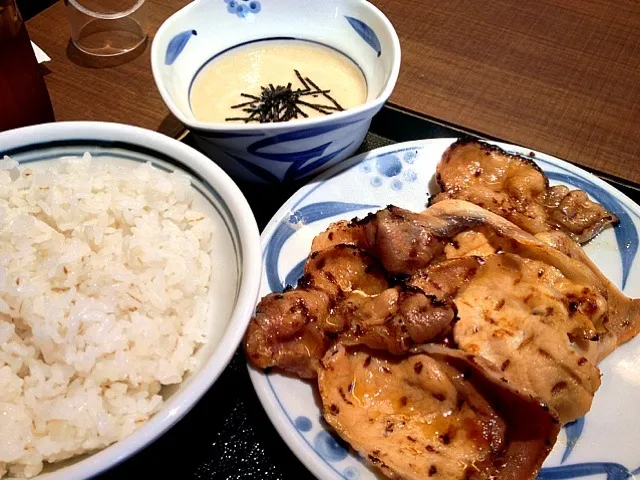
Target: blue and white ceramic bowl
(281,152)
(604,445)
(234,288)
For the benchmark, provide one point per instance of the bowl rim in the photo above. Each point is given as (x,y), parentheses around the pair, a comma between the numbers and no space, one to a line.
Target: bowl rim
(373,104)
(180,403)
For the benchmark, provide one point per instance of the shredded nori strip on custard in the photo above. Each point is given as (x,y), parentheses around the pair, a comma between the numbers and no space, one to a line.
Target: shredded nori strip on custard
(281,104)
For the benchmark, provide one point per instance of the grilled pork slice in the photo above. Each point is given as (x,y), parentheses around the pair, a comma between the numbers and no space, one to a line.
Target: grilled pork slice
(436,413)
(342,297)
(620,322)
(396,320)
(515,188)
(292,330)
(445,278)
(527,318)
(404,241)
(541,312)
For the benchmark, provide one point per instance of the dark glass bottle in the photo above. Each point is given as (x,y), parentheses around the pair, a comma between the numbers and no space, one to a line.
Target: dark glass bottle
(24,99)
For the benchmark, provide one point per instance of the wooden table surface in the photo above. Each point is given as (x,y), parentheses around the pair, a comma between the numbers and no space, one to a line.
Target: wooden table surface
(559,76)
(82,88)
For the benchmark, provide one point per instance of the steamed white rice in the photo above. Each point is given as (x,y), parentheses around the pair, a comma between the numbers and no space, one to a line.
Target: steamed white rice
(104,274)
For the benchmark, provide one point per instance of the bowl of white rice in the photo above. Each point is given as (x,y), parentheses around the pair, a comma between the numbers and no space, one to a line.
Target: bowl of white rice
(129,268)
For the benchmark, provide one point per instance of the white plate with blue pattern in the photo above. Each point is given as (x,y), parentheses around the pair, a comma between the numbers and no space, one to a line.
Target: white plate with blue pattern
(603,445)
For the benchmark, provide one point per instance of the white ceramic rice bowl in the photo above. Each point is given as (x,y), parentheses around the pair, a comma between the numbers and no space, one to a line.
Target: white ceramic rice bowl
(237,269)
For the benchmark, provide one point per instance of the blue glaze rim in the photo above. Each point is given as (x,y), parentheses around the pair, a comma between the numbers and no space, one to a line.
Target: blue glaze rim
(271,39)
(613,471)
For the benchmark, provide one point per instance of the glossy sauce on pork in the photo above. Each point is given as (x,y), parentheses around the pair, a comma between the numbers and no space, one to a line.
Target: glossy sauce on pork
(435,413)
(517,189)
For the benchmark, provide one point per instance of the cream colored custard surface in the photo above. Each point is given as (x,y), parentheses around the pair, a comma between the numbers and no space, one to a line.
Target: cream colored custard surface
(231,85)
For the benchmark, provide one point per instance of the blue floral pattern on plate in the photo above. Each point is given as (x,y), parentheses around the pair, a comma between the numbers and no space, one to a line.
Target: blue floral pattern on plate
(242,8)
(388,176)
(393,169)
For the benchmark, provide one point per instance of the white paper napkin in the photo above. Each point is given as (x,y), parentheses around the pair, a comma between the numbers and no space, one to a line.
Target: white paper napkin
(40,55)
